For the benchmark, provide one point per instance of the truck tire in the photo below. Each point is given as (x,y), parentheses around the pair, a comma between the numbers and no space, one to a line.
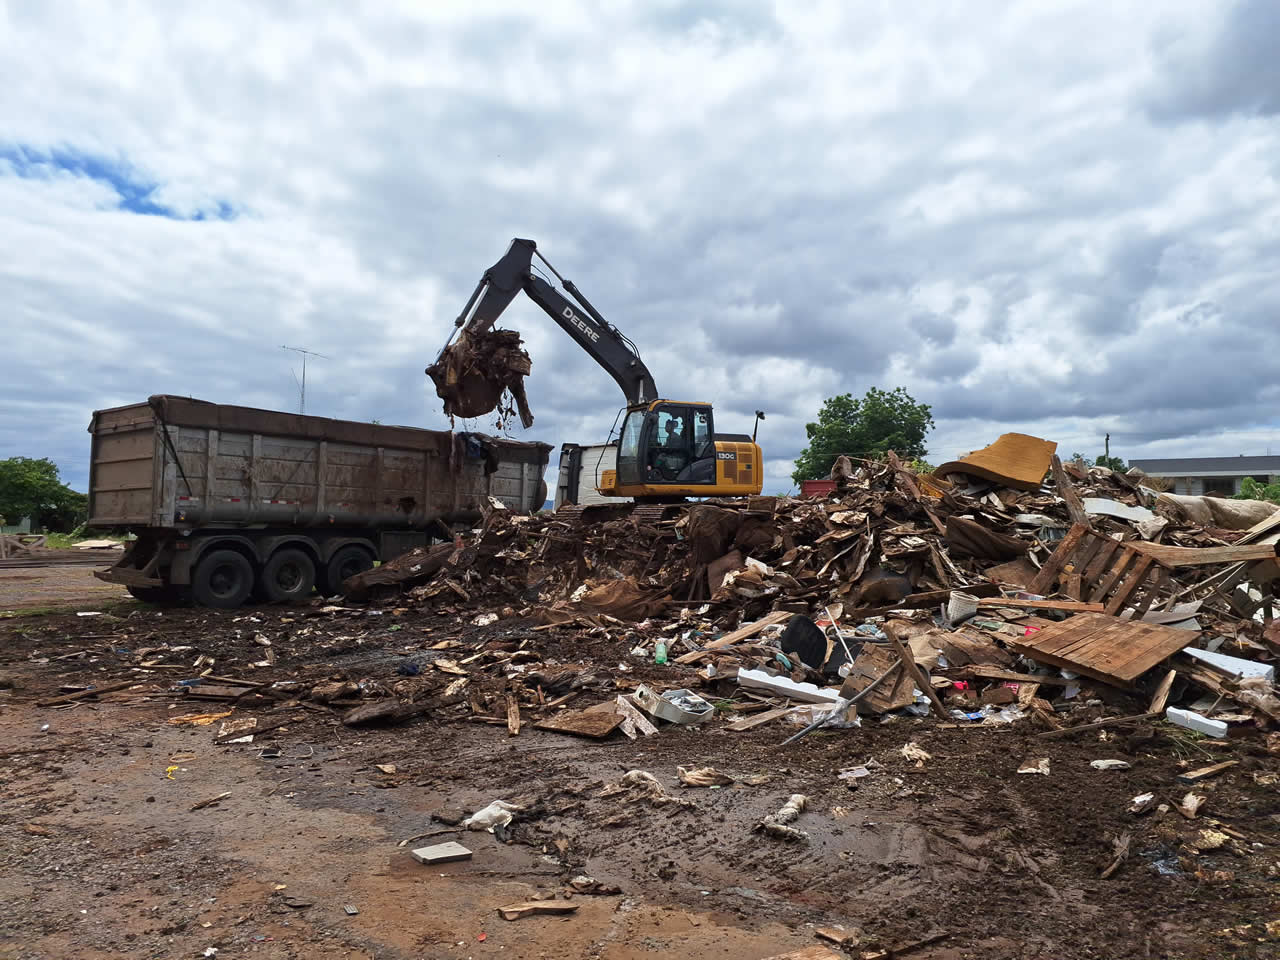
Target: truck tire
(288,576)
(347,562)
(223,579)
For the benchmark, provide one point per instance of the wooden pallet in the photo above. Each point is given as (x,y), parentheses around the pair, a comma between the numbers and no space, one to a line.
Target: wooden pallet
(1096,645)
(1090,567)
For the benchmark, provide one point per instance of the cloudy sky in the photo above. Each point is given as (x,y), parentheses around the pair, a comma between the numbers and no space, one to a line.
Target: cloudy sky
(1054,217)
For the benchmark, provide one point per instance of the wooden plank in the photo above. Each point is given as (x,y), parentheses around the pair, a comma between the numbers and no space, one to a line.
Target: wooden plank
(597,724)
(1128,586)
(1203,773)
(1098,725)
(1048,575)
(1079,563)
(1068,493)
(1117,570)
(1172,556)
(1100,560)
(1155,585)
(91,692)
(1161,696)
(750,723)
(513,715)
(1069,606)
(980,671)
(815,952)
(737,636)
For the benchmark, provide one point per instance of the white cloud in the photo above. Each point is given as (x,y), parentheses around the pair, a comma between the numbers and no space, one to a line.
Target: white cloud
(1019,212)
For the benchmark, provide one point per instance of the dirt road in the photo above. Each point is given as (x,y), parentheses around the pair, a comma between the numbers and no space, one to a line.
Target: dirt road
(73,585)
(104,857)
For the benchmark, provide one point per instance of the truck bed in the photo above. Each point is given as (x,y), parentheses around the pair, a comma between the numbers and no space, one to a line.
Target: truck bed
(175,462)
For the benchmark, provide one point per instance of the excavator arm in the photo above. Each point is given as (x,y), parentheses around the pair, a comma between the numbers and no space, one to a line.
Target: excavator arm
(607,345)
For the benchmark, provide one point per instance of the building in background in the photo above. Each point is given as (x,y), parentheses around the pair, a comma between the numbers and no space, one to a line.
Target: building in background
(1197,476)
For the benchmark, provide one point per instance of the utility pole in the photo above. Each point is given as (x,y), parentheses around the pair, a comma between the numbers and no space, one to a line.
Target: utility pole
(1108,445)
(302,384)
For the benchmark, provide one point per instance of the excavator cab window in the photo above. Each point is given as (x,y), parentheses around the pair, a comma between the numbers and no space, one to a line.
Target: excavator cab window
(669,444)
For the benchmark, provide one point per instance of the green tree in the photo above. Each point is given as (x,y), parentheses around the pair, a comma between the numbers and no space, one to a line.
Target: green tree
(1111,463)
(1251,489)
(31,488)
(881,421)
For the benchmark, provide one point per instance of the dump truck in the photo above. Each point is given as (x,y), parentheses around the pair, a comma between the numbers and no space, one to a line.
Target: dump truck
(230,503)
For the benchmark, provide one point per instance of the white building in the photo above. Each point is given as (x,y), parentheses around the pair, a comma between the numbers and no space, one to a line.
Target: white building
(1200,475)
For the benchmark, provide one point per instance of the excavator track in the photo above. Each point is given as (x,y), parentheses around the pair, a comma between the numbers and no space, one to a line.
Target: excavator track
(603,512)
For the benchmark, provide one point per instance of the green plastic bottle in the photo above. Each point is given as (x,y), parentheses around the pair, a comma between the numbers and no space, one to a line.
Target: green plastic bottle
(660,652)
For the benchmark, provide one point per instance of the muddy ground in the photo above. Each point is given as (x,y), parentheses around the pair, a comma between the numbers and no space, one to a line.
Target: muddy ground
(103,857)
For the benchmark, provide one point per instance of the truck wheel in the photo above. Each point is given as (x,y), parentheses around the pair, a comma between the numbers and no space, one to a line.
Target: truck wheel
(223,579)
(288,576)
(346,563)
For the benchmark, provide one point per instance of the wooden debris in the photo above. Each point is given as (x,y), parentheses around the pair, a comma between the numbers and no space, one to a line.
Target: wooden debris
(515,911)
(513,715)
(1204,773)
(908,661)
(597,724)
(1075,509)
(1097,725)
(904,948)
(759,719)
(1161,696)
(737,636)
(1067,606)
(1172,556)
(1120,851)
(383,711)
(91,692)
(841,938)
(1105,648)
(211,801)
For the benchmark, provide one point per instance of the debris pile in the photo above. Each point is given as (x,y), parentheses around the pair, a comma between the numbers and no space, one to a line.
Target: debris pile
(960,593)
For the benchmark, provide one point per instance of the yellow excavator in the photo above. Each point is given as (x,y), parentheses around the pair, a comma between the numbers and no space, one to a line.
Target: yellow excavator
(667,449)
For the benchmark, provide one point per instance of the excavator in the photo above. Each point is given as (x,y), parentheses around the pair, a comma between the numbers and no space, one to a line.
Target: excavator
(667,449)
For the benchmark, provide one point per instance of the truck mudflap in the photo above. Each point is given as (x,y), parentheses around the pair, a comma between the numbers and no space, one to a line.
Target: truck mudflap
(138,567)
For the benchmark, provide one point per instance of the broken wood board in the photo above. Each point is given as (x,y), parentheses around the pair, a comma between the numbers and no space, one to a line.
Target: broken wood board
(514,911)
(594,722)
(1192,776)
(1105,648)
(1087,564)
(1161,696)
(742,633)
(808,953)
(1203,556)
(1067,606)
(759,719)
(91,692)
(893,694)
(1097,725)
(981,671)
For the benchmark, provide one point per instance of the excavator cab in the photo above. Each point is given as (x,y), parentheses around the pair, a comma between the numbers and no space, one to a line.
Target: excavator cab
(671,449)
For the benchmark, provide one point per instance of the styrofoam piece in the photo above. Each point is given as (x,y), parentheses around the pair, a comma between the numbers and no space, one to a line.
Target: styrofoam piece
(1240,667)
(1196,722)
(786,687)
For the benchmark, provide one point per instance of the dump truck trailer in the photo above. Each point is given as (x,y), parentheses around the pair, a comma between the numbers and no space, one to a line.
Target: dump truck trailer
(230,502)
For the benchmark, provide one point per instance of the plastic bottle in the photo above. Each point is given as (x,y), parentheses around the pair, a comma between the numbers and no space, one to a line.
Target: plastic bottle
(660,652)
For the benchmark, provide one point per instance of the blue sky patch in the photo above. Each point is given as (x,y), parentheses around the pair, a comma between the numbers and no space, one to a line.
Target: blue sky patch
(133,188)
